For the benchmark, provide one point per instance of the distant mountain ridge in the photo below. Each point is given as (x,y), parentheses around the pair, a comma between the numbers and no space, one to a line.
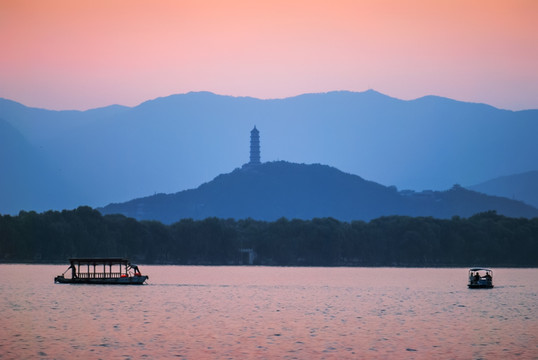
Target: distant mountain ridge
(24,174)
(297,191)
(118,153)
(523,187)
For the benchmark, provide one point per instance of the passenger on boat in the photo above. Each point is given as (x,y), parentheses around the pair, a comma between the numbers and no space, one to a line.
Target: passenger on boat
(476,277)
(74,271)
(136,271)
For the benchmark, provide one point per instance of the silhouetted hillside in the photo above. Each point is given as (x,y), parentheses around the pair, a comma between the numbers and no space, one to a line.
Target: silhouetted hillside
(297,191)
(173,143)
(24,173)
(523,187)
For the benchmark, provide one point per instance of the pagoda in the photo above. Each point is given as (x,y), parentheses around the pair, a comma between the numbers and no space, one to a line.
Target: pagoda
(254,147)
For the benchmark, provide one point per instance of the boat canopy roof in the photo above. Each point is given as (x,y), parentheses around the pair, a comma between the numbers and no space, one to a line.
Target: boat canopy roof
(479,268)
(99,261)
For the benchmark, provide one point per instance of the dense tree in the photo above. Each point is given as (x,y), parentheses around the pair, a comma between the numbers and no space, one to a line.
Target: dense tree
(483,239)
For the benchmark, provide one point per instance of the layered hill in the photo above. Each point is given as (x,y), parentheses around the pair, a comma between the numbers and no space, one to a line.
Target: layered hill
(25,175)
(522,187)
(281,189)
(117,153)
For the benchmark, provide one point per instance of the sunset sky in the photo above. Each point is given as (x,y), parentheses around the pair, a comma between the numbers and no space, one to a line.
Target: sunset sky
(85,54)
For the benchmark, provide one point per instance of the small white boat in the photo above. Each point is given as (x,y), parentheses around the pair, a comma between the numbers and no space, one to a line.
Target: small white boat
(480,278)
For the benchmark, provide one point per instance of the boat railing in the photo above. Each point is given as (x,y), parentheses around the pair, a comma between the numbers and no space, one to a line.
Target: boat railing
(100,275)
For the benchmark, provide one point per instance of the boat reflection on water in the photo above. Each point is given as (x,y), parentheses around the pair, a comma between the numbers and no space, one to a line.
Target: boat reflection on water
(112,271)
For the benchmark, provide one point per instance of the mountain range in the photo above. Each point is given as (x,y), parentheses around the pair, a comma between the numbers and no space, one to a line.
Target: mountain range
(297,191)
(63,159)
(521,187)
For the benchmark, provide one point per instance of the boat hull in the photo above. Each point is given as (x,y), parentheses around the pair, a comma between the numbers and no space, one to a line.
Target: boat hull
(480,286)
(131,280)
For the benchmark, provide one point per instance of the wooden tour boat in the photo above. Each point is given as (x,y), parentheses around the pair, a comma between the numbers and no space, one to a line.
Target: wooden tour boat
(114,271)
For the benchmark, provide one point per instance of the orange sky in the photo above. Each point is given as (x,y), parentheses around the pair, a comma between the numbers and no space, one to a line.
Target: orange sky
(84,54)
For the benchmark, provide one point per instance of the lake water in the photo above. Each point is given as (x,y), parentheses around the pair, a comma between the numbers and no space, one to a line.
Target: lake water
(195,312)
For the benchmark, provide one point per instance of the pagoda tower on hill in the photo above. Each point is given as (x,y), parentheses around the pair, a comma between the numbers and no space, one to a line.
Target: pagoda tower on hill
(254,147)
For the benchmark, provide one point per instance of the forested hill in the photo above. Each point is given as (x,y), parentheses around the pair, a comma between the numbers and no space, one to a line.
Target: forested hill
(177,142)
(297,191)
(486,239)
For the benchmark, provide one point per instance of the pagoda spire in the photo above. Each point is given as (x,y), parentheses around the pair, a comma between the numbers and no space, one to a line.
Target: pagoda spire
(254,146)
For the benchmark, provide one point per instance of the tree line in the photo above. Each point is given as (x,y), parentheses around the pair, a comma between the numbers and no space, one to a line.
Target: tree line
(485,239)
